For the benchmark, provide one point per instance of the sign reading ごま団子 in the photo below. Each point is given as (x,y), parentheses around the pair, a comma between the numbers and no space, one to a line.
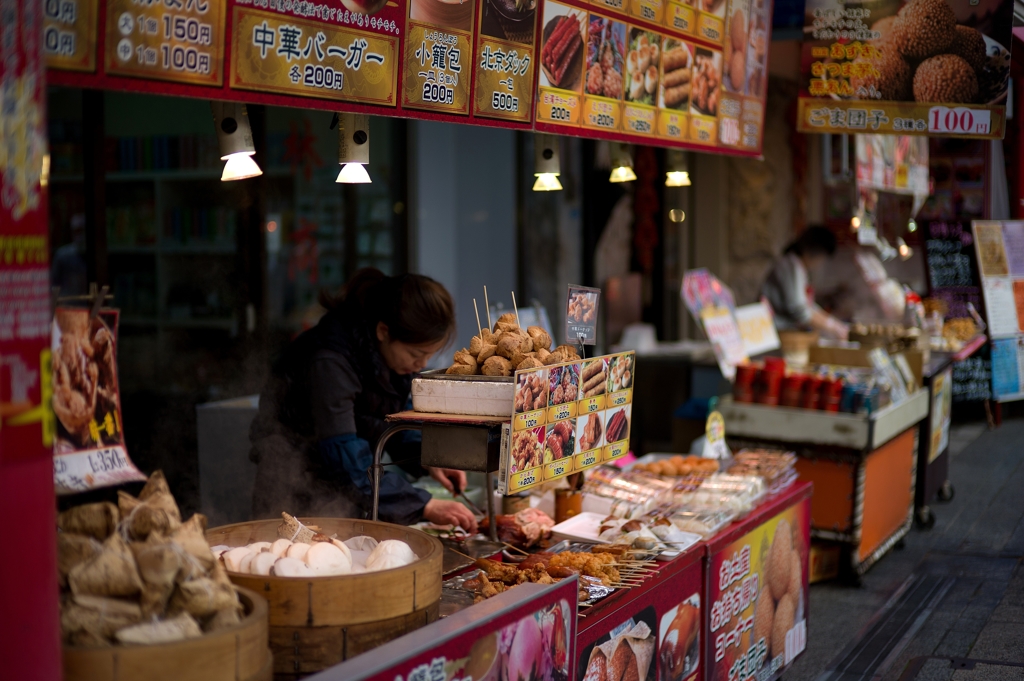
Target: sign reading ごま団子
(909,67)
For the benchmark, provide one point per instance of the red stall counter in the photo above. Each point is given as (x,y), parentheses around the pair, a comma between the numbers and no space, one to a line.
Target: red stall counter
(654,627)
(755,585)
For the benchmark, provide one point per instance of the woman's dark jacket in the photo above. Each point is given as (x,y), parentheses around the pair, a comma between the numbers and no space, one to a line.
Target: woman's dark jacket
(320,416)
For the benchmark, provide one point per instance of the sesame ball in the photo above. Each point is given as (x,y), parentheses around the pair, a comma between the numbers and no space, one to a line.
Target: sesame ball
(970,45)
(894,78)
(923,28)
(945,78)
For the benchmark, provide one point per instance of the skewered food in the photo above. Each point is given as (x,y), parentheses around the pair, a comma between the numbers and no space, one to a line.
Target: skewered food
(680,466)
(501,351)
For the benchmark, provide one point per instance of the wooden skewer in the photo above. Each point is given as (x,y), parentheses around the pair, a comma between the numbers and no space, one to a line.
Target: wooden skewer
(478,328)
(515,548)
(516,308)
(461,554)
(487,305)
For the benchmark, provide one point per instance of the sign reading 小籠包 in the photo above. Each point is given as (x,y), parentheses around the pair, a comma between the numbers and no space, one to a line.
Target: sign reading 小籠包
(438,55)
(910,67)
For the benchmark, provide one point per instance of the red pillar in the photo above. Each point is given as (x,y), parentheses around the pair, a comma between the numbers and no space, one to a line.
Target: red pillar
(29,629)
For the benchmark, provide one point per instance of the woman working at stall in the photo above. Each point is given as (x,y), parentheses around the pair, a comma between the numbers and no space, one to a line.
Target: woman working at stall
(788,289)
(322,411)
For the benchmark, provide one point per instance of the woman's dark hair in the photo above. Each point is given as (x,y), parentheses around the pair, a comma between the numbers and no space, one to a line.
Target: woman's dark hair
(416,309)
(816,240)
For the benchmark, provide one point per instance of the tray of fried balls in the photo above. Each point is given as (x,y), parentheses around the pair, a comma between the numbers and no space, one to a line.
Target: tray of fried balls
(507,348)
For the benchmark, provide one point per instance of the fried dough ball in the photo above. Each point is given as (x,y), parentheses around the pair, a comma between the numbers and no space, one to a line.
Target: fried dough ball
(969,45)
(497,366)
(555,357)
(461,370)
(785,613)
(894,77)
(487,351)
(924,28)
(764,613)
(541,338)
(509,345)
(779,559)
(945,78)
(529,363)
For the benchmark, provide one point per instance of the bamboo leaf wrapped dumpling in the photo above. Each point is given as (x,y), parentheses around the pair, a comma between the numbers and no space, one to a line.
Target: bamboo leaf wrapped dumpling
(112,572)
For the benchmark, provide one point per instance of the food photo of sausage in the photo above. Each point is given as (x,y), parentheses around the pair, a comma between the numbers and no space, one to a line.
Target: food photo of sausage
(561,54)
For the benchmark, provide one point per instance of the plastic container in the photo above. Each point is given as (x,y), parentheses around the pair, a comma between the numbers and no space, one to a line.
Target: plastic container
(811,398)
(792,390)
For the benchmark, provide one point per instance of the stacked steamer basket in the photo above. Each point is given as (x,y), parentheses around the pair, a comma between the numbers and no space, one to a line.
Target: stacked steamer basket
(318,622)
(235,653)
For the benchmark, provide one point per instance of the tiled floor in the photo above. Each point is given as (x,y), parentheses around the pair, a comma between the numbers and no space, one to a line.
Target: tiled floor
(978,539)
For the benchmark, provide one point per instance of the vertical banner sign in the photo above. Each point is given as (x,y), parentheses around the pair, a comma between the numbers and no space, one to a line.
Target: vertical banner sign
(913,67)
(567,418)
(175,40)
(88,449)
(438,54)
(25,431)
(69,34)
(758,599)
(504,61)
(337,54)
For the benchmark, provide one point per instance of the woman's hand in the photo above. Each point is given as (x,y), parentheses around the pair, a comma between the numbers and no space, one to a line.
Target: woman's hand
(450,513)
(454,481)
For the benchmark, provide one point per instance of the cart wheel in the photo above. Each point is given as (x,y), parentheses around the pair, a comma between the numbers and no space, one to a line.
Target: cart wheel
(947,491)
(925,520)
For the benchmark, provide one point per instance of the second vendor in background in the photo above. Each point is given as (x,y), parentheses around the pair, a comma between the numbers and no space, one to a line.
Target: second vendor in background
(788,287)
(322,411)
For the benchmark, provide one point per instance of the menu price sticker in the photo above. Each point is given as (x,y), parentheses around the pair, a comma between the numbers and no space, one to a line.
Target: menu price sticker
(177,41)
(312,59)
(562,412)
(69,34)
(591,405)
(673,124)
(558,469)
(529,420)
(640,119)
(616,451)
(556,106)
(959,120)
(682,18)
(601,113)
(619,398)
(710,27)
(652,11)
(588,459)
(703,130)
(614,5)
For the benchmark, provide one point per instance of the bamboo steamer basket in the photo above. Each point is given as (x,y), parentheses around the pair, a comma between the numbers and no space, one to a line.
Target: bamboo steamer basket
(319,622)
(236,653)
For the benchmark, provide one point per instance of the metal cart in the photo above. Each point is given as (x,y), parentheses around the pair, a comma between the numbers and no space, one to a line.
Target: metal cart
(863,468)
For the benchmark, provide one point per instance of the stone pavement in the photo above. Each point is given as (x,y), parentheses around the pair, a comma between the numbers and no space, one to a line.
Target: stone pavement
(977,542)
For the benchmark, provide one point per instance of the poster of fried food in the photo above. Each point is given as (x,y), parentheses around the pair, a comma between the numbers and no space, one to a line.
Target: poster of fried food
(917,67)
(626,652)
(88,443)
(760,577)
(581,315)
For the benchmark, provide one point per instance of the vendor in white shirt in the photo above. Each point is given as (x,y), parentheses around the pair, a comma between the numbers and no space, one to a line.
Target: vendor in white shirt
(788,288)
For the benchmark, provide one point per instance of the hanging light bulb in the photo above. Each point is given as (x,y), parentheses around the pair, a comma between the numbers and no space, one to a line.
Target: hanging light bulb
(905,251)
(235,138)
(546,163)
(855,223)
(353,148)
(911,225)
(676,174)
(622,163)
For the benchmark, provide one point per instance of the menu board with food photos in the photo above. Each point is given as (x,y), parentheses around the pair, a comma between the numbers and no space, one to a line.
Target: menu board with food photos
(911,67)
(1000,250)
(567,418)
(656,70)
